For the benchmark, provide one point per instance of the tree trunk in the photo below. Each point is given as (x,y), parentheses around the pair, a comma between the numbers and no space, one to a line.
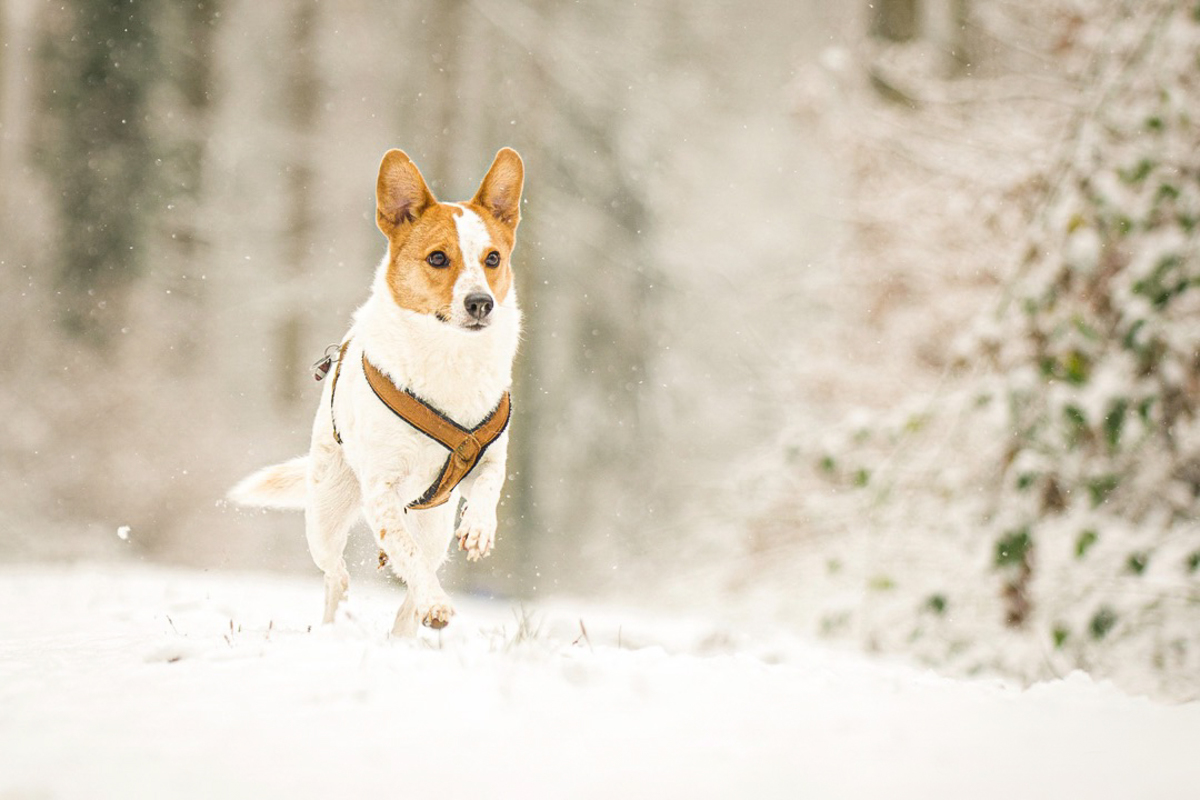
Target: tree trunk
(302,100)
(895,20)
(945,24)
(100,62)
(957,50)
(447,74)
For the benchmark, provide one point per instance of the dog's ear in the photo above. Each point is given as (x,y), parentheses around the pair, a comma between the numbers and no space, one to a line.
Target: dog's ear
(400,193)
(500,192)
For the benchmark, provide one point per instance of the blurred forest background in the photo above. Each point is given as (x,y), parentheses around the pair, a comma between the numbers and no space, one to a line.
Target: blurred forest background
(879,319)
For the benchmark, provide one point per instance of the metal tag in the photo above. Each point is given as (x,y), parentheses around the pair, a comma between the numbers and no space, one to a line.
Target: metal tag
(321,367)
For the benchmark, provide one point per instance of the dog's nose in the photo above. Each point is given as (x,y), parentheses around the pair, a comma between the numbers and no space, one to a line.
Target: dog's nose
(479,305)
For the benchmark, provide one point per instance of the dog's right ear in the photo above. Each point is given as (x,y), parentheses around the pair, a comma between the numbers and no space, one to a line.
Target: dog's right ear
(400,193)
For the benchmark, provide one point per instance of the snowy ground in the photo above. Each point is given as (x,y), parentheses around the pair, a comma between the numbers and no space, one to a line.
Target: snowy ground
(131,681)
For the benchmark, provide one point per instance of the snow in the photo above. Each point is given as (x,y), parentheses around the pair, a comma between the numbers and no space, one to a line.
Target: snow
(136,681)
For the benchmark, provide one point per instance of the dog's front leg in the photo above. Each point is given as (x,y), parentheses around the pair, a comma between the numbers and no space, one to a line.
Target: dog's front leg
(477,528)
(426,601)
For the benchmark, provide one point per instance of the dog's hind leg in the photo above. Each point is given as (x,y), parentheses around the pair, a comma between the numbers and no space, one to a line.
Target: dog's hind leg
(333,498)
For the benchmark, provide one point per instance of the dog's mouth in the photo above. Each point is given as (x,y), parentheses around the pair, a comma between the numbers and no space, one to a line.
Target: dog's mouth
(469,324)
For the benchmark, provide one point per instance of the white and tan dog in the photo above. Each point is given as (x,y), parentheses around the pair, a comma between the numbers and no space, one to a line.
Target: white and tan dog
(441,323)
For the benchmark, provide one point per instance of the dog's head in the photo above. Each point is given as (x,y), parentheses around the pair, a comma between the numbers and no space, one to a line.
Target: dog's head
(450,260)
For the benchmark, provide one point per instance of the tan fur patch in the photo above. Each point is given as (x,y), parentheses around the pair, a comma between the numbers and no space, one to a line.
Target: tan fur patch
(279,481)
(415,284)
(500,191)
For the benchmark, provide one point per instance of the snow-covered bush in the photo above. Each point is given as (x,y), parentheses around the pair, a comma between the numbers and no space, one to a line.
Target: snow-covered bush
(1040,508)
(1101,343)
(1100,349)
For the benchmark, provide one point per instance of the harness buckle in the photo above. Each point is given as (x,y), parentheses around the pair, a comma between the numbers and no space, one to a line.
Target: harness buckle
(468,450)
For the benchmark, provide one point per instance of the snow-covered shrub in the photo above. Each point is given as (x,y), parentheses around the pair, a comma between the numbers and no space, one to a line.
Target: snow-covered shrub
(1100,349)
(1100,344)
(1039,510)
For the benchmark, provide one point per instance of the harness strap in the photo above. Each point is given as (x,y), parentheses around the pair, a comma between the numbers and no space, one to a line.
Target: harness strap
(466,446)
(337,437)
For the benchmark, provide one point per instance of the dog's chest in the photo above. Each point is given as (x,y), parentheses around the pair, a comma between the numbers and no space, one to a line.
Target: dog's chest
(381,446)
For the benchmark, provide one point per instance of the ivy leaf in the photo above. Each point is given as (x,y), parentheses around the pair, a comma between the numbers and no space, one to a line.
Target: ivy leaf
(1013,547)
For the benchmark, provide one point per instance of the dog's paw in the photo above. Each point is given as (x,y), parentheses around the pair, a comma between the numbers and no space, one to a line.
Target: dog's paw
(476,538)
(437,616)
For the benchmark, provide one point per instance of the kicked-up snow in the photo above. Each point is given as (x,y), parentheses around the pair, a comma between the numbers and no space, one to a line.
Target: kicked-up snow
(129,681)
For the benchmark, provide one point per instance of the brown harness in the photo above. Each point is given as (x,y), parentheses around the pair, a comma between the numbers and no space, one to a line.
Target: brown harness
(466,446)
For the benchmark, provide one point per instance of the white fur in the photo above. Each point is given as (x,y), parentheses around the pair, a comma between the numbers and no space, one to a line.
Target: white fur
(384,463)
(277,486)
(473,242)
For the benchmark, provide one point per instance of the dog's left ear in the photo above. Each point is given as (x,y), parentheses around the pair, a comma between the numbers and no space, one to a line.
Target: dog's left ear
(500,192)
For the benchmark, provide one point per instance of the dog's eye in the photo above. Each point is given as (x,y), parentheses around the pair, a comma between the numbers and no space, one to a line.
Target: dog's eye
(493,259)
(437,259)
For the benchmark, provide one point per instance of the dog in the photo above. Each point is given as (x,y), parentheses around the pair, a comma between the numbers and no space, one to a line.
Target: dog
(439,333)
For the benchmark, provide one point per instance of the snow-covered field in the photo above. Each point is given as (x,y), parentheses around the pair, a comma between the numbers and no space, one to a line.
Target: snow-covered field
(132,681)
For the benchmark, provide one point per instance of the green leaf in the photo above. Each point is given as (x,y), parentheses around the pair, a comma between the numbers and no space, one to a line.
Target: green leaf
(1060,633)
(1085,328)
(1076,368)
(1102,622)
(1143,410)
(936,603)
(1087,538)
(1114,421)
(1138,172)
(1166,192)
(1129,341)
(1013,547)
(1074,415)
(1100,487)
(1076,423)
(1136,563)
(881,583)
(1164,283)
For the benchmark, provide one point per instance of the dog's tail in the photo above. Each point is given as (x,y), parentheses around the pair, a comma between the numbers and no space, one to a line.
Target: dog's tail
(278,486)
